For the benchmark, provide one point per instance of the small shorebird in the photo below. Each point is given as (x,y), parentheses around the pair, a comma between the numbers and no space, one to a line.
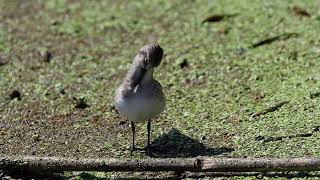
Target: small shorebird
(140,98)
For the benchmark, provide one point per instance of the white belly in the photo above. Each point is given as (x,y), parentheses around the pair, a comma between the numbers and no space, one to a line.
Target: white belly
(140,109)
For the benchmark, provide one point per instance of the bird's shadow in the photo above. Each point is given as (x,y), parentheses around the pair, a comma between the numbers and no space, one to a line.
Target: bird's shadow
(174,144)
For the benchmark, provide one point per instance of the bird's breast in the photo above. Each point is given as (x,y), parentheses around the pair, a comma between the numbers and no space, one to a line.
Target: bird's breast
(146,102)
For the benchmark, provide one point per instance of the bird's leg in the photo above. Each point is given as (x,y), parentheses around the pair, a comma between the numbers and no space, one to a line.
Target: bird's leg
(133,148)
(149,134)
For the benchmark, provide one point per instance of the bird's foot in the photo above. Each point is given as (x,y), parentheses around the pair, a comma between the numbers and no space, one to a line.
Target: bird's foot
(148,149)
(132,149)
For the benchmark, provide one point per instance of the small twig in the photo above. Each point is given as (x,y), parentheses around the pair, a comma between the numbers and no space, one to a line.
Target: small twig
(270,40)
(280,138)
(315,129)
(270,109)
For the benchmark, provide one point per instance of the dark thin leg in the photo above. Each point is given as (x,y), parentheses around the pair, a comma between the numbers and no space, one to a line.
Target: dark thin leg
(149,134)
(133,148)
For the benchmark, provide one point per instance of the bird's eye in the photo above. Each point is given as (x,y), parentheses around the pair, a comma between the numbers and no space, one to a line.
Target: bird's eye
(146,60)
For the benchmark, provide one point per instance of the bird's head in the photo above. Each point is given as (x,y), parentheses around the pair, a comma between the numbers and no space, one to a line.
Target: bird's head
(149,56)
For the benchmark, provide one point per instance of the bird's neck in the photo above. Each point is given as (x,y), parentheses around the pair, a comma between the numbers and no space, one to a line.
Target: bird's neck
(136,76)
(148,76)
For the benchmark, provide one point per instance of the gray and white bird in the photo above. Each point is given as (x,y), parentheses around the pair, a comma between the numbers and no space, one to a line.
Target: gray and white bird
(140,97)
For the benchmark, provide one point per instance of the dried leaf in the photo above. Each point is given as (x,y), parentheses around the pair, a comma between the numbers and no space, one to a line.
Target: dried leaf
(299,11)
(270,109)
(217,17)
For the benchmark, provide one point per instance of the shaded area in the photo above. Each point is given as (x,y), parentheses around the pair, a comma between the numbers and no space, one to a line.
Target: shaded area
(30,175)
(270,40)
(153,176)
(175,144)
(192,175)
(129,176)
(256,175)
(314,95)
(88,176)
